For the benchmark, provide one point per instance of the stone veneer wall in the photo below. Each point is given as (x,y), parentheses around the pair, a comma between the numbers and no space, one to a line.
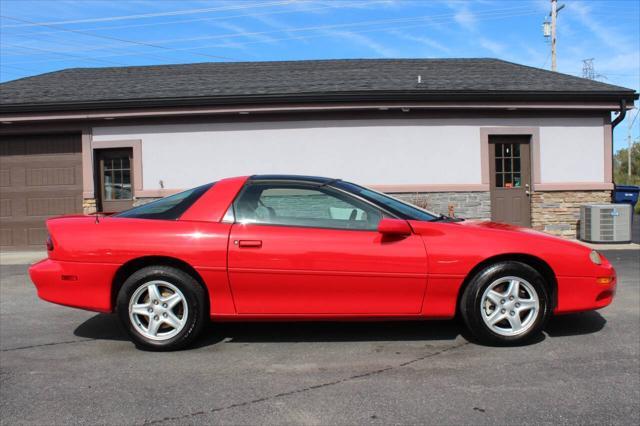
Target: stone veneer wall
(558,212)
(89,205)
(468,205)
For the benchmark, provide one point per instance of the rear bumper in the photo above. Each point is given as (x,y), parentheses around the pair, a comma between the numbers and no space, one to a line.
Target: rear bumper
(577,294)
(80,285)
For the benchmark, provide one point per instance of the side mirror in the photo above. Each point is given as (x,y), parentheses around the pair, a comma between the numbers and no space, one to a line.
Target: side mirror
(395,227)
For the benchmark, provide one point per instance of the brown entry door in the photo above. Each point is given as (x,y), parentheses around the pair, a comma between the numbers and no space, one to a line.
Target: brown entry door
(510,167)
(115,174)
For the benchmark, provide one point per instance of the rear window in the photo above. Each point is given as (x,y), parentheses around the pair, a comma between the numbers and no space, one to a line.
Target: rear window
(169,208)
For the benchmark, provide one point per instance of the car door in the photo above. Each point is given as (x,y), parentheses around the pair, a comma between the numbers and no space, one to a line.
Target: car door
(301,249)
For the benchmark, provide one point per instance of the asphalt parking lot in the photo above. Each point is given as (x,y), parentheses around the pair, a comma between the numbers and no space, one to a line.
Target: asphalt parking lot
(60,365)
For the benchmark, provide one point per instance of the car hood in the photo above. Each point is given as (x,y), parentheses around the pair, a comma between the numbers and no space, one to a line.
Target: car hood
(476,240)
(499,236)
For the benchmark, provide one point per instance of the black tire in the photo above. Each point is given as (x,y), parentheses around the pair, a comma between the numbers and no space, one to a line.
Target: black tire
(194,296)
(471,303)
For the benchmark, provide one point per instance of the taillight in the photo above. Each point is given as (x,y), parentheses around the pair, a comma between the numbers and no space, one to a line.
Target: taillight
(49,243)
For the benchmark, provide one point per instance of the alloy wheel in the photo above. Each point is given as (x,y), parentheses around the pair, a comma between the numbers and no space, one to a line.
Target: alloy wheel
(510,306)
(158,310)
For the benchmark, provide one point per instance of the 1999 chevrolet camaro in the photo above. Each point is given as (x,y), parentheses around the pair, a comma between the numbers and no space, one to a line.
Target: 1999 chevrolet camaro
(276,247)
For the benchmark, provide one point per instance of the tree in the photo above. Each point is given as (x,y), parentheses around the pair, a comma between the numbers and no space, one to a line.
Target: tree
(620,166)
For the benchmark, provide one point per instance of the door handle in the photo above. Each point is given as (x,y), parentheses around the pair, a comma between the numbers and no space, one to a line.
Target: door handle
(249,243)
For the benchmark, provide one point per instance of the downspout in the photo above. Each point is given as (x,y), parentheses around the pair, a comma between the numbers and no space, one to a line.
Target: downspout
(614,123)
(621,115)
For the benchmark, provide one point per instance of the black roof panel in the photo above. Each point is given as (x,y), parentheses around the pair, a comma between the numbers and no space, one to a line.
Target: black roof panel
(293,81)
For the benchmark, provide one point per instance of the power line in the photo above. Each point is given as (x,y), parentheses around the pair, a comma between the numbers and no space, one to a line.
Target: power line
(149,15)
(71,42)
(422,25)
(347,25)
(497,13)
(76,56)
(341,5)
(157,46)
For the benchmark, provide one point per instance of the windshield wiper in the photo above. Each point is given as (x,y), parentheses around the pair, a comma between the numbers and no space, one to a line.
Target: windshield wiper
(443,218)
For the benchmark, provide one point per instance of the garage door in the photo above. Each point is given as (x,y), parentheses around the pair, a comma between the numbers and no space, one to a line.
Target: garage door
(40,176)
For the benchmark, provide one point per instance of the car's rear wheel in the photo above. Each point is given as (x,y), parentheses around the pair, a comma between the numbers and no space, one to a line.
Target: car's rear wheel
(505,303)
(162,308)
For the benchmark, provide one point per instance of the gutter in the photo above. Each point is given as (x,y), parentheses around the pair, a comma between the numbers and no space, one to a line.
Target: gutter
(621,115)
(132,113)
(319,98)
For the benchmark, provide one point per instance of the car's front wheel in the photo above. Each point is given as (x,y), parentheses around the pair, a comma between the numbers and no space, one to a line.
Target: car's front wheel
(162,308)
(505,303)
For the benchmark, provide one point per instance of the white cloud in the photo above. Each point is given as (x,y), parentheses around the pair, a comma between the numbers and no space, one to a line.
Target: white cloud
(365,41)
(609,37)
(465,18)
(494,47)
(243,32)
(422,40)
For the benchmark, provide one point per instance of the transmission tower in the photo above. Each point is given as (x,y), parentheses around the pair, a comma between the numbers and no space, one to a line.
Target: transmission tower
(587,69)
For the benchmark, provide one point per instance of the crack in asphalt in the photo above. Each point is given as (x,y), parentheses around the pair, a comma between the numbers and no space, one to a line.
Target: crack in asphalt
(47,344)
(305,389)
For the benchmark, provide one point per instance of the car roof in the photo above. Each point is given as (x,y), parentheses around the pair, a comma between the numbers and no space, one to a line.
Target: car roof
(298,178)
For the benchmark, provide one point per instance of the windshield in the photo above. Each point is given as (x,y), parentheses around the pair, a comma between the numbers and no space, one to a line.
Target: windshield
(169,208)
(394,205)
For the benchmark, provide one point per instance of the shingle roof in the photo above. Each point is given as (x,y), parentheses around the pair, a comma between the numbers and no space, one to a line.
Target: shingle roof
(293,81)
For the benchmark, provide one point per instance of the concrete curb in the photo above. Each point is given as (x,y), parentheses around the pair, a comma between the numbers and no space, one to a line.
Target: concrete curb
(605,247)
(21,257)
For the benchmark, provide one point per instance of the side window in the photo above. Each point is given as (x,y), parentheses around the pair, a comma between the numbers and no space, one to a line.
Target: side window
(302,205)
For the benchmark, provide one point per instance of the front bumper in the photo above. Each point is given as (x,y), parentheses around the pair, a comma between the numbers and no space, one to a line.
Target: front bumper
(577,294)
(76,284)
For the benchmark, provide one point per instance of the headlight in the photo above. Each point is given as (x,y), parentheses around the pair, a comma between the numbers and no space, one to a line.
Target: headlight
(595,257)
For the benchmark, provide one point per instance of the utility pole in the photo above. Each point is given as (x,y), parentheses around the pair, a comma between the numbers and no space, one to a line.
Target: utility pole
(554,18)
(630,145)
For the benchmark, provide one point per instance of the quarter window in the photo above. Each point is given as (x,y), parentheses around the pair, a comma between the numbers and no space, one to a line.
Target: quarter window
(303,205)
(168,208)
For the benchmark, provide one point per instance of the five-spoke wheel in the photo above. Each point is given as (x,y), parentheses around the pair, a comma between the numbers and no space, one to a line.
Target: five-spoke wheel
(162,308)
(509,306)
(158,310)
(506,302)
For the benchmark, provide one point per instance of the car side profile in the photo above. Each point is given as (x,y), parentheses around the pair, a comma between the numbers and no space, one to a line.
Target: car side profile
(280,247)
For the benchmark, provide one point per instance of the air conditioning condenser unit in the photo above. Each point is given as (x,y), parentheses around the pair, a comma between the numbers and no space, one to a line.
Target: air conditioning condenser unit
(605,223)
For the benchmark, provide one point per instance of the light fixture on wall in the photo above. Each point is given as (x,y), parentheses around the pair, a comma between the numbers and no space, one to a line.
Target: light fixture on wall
(405,109)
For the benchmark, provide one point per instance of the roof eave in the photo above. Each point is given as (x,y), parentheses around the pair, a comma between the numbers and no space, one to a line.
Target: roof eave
(448,96)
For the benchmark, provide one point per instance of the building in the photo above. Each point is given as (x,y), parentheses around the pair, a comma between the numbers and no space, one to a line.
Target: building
(481,138)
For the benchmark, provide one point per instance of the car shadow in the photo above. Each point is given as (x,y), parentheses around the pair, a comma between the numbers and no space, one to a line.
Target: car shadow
(332,331)
(102,327)
(575,324)
(107,327)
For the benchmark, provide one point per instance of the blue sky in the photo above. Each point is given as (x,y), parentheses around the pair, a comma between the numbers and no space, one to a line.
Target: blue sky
(47,35)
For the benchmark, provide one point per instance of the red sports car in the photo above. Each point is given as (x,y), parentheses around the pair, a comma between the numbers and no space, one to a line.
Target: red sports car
(308,248)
